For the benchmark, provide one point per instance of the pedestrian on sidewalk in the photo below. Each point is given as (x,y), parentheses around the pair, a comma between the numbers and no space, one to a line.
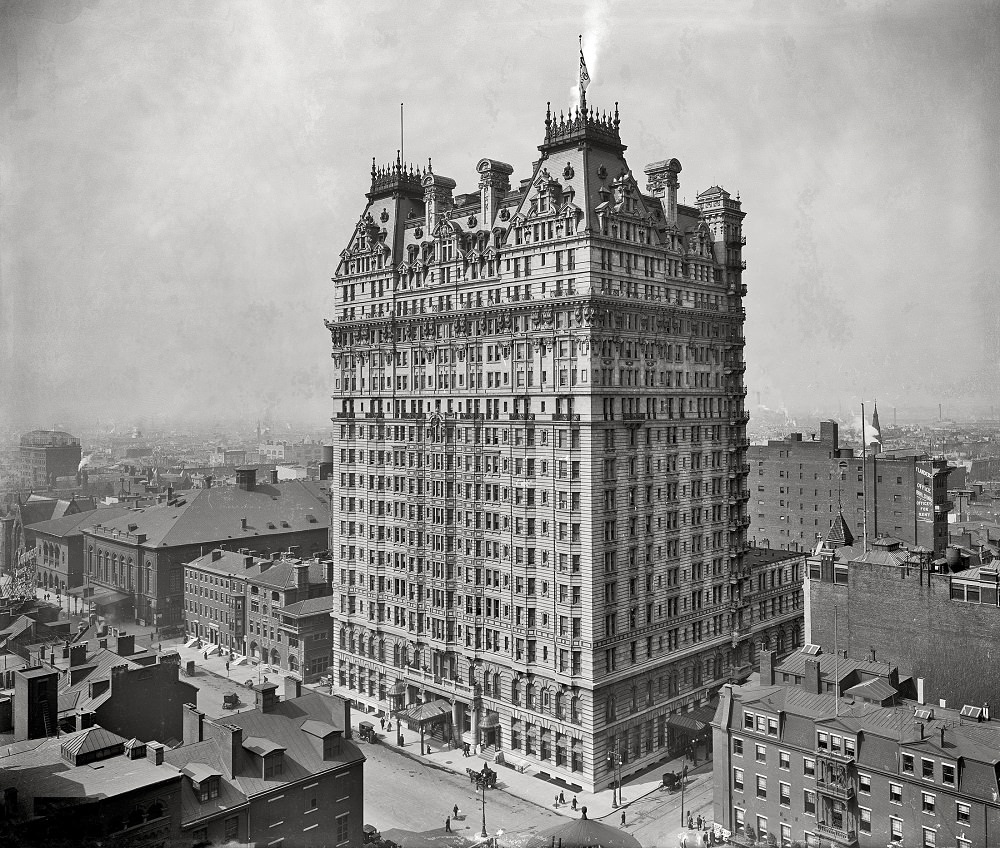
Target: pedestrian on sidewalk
(447,825)
(690,822)
(574,802)
(623,818)
(562,798)
(699,821)
(455,811)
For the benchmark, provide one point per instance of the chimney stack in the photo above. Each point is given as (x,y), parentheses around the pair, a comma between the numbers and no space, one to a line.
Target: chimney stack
(154,752)
(494,183)
(194,721)
(266,696)
(767,668)
(811,681)
(437,199)
(293,687)
(662,182)
(246,478)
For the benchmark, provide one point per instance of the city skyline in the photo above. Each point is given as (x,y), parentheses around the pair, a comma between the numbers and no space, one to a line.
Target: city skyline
(177,181)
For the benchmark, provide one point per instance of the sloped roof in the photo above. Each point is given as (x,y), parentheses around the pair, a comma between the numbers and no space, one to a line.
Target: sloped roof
(310,606)
(204,516)
(281,575)
(261,746)
(90,740)
(877,689)
(75,523)
(839,535)
(206,754)
(583,833)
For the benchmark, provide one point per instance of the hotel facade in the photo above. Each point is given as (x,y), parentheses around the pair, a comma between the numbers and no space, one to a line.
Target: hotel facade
(539,495)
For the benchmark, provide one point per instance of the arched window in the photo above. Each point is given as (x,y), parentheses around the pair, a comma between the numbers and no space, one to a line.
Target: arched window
(529,696)
(635,700)
(559,705)
(610,710)
(515,692)
(574,709)
(496,684)
(395,656)
(293,663)
(361,646)
(381,650)
(649,693)
(343,638)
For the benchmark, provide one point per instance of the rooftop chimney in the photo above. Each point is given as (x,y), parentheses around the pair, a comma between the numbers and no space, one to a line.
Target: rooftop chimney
(767,668)
(437,198)
(494,183)
(265,696)
(662,182)
(942,737)
(126,645)
(216,555)
(246,478)
(208,481)
(811,680)
(154,752)
(193,724)
(293,687)
(302,576)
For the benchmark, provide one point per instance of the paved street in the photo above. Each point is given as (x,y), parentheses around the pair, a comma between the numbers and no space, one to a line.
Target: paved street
(404,793)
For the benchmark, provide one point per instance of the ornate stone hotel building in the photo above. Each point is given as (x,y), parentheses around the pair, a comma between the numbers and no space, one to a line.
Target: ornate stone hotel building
(540,452)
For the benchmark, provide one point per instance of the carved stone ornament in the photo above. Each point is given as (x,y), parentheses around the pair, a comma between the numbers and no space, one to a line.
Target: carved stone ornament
(472,221)
(384,216)
(419,232)
(504,214)
(568,171)
(602,173)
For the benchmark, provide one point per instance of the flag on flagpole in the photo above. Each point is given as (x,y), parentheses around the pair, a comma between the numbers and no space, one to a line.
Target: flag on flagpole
(584,76)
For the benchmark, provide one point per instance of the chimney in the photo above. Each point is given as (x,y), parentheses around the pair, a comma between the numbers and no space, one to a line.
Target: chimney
(194,724)
(942,737)
(216,555)
(811,681)
(293,687)
(302,576)
(871,654)
(246,478)
(494,183)
(347,718)
(437,199)
(662,182)
(243,524)
(154,752)
(921,726)
(208,481)
(170,493)
(248,560)
(767,668)
(36,703)
(265,696)
(230,739)
(920,690)
(126,645)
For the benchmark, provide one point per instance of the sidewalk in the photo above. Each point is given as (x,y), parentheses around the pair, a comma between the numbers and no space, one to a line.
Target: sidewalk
(527,786)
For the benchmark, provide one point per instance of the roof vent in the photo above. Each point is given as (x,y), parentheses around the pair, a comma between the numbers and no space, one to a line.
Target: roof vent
(132,528)
(270,525)
(285,524)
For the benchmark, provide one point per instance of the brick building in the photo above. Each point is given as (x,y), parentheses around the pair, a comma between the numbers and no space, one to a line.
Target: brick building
(47,454)
(834,756)
(797,487)
(135,563)
(271,609)
(111,682)
(283,773)
(15,524)
(59,547)
(89,787)
(775,601)
(540,448)
(289,625)
(944,624)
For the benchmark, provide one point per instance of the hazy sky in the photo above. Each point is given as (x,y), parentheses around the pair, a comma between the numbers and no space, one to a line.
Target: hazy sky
(178,178)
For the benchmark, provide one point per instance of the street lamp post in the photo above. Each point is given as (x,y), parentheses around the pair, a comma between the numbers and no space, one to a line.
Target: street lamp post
(615,761)
(484,834)
(684,774)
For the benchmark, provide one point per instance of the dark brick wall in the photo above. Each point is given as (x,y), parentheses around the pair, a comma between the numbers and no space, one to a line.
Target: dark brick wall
(953,645)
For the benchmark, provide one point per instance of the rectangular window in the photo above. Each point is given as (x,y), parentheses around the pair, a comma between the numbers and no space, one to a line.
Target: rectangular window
(761,786)
(895,793)
(963,813)
(343,829)
(947,775)
(738,747)
(784,794)
(864,820)
(738,779)
(895,829)
(772,727)
(784,760)
(809,802)
(748,721)
(930,837)
(761,753)
(927,769)
(927,802)
(906,763)
(864,783)
(808,766)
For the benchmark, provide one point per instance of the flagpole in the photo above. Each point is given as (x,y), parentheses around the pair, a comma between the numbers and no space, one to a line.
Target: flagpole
(864,478)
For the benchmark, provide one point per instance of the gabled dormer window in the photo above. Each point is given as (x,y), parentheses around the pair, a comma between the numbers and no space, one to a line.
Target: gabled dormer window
(207,789)
(274,764)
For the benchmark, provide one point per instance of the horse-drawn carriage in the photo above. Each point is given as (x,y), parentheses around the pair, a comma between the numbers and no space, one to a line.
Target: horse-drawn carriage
(485,777)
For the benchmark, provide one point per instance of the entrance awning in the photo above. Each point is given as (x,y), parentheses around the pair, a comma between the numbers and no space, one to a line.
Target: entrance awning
(107,598)
(686,723)
(427,713)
